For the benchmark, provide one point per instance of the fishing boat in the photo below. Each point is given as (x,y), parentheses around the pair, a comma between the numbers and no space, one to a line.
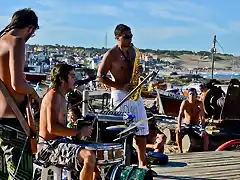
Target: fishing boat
(33,73)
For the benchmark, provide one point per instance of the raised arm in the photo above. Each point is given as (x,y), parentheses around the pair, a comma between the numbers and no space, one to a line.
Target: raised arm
(104,68)
(16,64)
(180,115)
(53,126)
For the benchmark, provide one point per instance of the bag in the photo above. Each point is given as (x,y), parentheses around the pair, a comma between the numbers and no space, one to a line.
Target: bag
(123,172)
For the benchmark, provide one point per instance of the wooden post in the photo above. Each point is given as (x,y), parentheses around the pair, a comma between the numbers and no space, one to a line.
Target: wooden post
(85,103)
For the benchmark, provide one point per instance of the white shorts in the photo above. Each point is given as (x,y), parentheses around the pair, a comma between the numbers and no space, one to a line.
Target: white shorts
(133,107)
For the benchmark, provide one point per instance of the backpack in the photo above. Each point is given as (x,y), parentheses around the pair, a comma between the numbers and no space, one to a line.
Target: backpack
(123,172)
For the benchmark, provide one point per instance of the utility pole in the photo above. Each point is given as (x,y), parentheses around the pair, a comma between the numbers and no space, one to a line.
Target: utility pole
(213,51)
(106,41)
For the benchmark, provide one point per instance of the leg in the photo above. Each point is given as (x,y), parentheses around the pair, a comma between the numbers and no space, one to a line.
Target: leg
(12,156)
(89,164)
(179,141)
(205,141)
(141,150)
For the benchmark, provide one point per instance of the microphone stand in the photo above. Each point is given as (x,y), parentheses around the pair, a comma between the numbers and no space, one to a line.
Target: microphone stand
(152,74)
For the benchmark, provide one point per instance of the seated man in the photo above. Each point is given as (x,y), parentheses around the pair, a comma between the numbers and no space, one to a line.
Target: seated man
(54,148)
(155,139)
(193,112)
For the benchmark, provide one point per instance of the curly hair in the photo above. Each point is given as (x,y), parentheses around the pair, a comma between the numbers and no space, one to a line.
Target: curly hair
(22,19)
(58,73)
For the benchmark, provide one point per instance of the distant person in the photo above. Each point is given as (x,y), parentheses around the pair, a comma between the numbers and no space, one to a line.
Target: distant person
(193,112)
(23,25)
(37,88)
(154,108)
(203,88)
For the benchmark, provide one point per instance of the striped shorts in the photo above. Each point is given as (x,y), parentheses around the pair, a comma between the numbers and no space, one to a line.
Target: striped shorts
(11,145)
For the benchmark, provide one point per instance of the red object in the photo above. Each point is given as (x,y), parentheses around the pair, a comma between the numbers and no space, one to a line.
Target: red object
(228,144)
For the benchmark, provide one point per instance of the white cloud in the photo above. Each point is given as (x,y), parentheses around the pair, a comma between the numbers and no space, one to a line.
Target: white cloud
(215,28)
(162,33)
(169,15)
(177,10)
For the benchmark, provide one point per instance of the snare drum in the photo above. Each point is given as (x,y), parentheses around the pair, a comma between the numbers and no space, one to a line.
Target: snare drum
(106,153)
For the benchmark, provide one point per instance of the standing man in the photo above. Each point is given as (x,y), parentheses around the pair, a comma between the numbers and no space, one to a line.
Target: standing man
(193,112)
(13,37)
(119,61)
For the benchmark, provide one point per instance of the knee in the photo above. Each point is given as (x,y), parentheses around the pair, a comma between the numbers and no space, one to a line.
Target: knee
(88,157)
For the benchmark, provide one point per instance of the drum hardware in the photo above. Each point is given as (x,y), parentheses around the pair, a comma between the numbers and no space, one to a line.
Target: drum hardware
(151,75)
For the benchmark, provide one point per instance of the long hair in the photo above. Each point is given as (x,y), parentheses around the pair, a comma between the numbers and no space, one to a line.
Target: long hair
(58,73)
(21,19)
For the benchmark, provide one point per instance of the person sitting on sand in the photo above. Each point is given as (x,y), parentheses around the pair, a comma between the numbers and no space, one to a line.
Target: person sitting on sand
(155,139)
(193,112)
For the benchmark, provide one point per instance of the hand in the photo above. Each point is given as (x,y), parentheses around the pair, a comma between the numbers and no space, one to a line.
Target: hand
(128,87)
(203,133)
(157,145)
(178,129)
(86,131)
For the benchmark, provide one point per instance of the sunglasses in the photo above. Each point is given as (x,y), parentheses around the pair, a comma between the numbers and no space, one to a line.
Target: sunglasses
(127,36)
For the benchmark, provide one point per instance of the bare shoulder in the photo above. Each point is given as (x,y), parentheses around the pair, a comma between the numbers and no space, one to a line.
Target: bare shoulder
(52,98)
(111,53)
(184,103)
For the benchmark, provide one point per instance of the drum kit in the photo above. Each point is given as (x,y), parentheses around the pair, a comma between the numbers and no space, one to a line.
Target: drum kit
(109,152)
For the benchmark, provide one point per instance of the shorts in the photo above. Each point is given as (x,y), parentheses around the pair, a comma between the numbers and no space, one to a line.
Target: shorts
(194,130)
(133,107)
(60,152)
(12,139)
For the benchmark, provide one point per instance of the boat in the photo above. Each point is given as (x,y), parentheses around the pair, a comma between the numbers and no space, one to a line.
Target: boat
(33,73)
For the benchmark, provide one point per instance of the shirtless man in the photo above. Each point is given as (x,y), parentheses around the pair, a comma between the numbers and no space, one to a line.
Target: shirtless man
(54,147)
(120,61)
(193,112)
(13,37)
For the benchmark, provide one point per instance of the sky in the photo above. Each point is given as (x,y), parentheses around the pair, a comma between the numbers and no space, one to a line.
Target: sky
(155,24)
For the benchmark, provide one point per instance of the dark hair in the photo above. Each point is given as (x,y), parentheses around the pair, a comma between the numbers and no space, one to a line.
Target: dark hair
(58,73)
(192,90)
(120,28)
(22,19)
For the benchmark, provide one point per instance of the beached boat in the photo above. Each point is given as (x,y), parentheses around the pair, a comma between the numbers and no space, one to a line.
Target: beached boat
(33,73)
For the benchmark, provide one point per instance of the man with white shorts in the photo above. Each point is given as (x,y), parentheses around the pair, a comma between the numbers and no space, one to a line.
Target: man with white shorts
(119,61)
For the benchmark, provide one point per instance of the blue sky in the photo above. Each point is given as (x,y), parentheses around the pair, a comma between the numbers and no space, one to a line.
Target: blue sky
(156,24)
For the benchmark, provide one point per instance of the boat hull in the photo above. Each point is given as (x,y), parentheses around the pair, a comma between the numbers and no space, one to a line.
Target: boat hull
(34,77)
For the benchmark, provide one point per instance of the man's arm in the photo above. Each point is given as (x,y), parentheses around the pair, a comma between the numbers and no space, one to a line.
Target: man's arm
(53,126)
(16,65)
(201,114)
(103,69)
(180,115)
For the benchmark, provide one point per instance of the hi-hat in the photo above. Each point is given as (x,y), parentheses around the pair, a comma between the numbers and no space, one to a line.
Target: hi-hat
(117,127)
(142,121)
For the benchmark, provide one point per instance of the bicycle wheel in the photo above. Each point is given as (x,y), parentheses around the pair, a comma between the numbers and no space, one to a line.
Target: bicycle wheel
(233,145)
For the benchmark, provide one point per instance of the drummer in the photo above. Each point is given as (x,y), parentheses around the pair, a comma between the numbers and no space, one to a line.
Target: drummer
(53,147)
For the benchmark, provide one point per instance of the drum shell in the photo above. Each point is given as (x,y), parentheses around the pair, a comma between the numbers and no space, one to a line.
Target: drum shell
(106,153)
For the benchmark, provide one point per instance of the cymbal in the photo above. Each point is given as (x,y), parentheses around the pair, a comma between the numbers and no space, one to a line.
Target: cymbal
(131,127)
(142,121)
(117,127)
